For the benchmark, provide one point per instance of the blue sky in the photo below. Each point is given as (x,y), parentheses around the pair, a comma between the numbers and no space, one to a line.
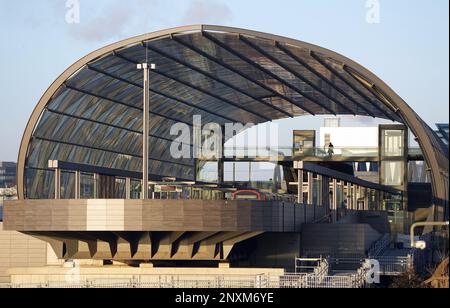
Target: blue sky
(409,48)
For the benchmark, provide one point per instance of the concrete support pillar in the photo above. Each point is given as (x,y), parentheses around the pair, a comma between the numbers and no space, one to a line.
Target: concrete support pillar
(326,192)
(300,187)
(96,176)
(334,205)
(310,188)
(366,199)
(77,185)
(128,188)
(349,196)
(221,160)
(57,183)
(320,190)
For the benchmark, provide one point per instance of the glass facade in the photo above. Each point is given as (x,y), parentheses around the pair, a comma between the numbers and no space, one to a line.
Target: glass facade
(393,173)
(95,117)
(87,186)
(393,143)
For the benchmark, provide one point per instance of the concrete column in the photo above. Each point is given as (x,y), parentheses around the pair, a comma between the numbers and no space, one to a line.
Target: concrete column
(128,188)
(326,192)
(320,190)
(334,205)
(77,185)
(300,187)
(57,183)
(220,159)
(310,188)
(96,185)
(366,199)
(349,196)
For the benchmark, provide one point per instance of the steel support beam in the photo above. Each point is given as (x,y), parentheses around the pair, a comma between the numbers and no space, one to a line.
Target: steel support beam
(216,79)
(297,75)
(106,150)
(145,128)
(323,78)
(122,103)
(310,188)
(201,90)
(113,125)
(278,78)
(245,59)
(241,74)
(354,88)
(300,199)
(168,96)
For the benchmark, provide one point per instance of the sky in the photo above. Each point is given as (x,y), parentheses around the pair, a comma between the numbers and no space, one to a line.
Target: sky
(408,46)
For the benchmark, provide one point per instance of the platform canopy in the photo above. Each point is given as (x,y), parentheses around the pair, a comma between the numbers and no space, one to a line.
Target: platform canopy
(92,114)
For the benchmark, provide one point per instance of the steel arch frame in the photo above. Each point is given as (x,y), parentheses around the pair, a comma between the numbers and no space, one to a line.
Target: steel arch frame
(435,156)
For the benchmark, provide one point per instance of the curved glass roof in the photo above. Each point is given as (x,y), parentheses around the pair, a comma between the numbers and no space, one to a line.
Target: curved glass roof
(95,116)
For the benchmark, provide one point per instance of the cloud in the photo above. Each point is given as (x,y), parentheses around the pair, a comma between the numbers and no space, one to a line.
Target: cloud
(206,11)
(110,23)
(119,19)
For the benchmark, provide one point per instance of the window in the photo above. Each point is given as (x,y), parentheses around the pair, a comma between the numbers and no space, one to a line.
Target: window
(87,186)
(393,143)
(392,173)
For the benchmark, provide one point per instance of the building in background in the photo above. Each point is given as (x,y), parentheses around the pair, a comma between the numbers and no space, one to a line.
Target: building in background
(358,139)
(7,174)
(443,132)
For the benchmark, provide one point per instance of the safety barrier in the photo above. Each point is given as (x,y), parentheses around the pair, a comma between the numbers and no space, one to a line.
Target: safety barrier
(380,246)
(287,281)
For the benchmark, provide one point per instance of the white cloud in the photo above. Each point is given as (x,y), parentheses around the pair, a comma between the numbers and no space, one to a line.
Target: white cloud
(110,23)
(206,11)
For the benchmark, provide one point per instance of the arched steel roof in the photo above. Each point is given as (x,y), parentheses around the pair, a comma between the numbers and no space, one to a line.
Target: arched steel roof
(92,113)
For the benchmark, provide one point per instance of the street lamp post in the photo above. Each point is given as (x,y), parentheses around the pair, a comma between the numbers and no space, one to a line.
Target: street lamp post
(145,126)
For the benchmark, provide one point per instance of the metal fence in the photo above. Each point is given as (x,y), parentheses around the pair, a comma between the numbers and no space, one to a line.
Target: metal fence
(380,246)
(287,281)
(317,277)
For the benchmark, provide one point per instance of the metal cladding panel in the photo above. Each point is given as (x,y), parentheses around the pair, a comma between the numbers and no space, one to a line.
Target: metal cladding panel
(155,216)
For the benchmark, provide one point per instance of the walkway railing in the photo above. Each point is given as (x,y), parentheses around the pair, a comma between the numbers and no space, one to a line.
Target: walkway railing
(380,246)
(320,277)
(290,153)
(288,281)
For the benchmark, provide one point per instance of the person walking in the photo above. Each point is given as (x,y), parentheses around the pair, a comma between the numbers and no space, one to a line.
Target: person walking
(330,150)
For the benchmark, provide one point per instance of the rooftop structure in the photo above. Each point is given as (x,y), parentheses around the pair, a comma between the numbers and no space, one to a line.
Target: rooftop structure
(80,162)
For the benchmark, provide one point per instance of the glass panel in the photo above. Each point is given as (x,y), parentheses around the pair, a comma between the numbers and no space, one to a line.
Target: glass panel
(229,172)
(208,173)
(67,185)
(316,192)
(40,184)
(87,186)
(135,189)
(120,188)
(340,196)
(392,173)
(393,143)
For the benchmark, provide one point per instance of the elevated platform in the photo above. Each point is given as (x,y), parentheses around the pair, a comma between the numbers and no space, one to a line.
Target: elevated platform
(285,154)
(153,229)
